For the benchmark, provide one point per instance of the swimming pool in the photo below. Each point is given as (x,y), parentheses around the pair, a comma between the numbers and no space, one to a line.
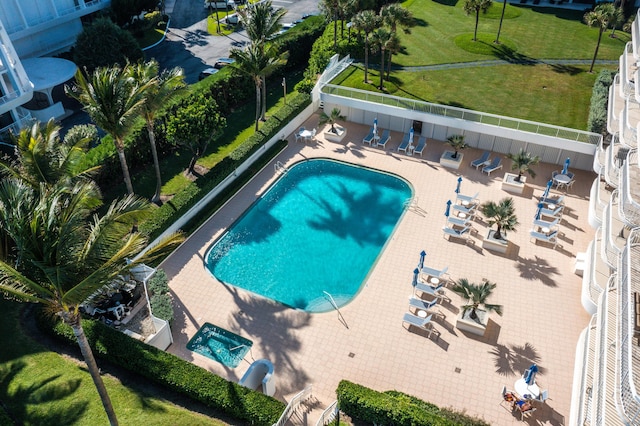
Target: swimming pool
(318,230)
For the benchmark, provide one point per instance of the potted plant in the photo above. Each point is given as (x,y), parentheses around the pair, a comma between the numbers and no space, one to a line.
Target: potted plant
(522,162)
(453,159)
(473,319)
(501,214)
(335,133)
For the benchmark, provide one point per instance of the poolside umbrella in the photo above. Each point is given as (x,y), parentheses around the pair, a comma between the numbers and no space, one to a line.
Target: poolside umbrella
(566,166)
(540,206)
(530,376)
(458,186)
(375,126)
(411,135)
(545,194)
(446,212)
(421,261)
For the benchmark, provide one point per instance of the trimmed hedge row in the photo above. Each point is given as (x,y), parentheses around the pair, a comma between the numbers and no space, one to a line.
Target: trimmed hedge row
(597,121)
(299,41)
(170,211)
(396,408)
(172,372)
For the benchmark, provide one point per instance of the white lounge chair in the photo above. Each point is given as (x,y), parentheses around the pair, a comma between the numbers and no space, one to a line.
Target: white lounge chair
(553,213)
(386,137)
(482,161)
(546,224)
(550,238)
(429,307)
(422,144)
(459,221)
(458,233)
(434,273)
(423,323)
(468,199)
(404,144)
(496,164)
(469,211)
(437,291)
(553,200)
(369,138)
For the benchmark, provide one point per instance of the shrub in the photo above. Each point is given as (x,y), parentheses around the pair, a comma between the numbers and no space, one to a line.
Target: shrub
(243,404)
(159,283)
(299,41)
(597,121)
(104,44)
(162,307)
(366,405)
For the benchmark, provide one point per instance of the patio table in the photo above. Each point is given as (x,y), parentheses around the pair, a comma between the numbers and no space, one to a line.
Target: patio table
(522,388)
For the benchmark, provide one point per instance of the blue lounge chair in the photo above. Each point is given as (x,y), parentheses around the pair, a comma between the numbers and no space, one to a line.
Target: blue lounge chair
(482,161)
(404,144)
(386,137)
(434,273)
(461,233)
(496,164)
(469,211)
(553,213)
(422,144)
(545,224)
(553,200)
(369,138)
(423,323)
(539,236)
(437,291)
(428,307)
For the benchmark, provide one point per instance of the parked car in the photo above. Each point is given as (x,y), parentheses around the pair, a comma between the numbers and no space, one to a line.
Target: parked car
(233,19)
(206,73)
(223,62)
(229,4)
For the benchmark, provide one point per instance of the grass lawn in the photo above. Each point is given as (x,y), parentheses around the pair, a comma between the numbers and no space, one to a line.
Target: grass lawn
(558,95)
(40,387)
(535,32)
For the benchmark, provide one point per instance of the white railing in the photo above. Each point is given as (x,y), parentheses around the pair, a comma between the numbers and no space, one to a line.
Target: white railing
(627,134)
(24,120)
(335,67)
(595,289)
(627,88)
(628,208)
(328,415)
(613,111)
(609,252)
(464,114)
(626,390)
(611,170)
(585,391)
(293,406)
(599,394)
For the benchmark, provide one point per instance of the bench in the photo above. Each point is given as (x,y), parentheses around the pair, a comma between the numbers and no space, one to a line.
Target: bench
(636,316)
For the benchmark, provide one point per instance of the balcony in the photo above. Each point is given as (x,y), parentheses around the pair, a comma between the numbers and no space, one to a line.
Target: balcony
(612,163)
(615,106)
(612,230)
(629,191)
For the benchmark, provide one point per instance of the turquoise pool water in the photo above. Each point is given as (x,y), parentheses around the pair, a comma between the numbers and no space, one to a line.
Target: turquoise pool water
(220,345)
(318,229)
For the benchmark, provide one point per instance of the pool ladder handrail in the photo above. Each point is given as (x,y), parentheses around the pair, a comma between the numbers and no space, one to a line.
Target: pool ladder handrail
(280,168)
(335,305)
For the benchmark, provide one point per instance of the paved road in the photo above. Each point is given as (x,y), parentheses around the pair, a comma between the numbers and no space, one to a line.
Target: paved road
(190,46)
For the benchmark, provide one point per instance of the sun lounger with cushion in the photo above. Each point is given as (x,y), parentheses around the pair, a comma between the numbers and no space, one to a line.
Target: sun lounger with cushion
(482,161)
(422,144)
(496,164)
(550,238)
(369,138)
(404,144)
(458,233)
(423,323)
(386,137)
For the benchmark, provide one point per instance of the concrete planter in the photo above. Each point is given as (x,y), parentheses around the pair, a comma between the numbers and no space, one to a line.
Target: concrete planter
(474,326)
(510,184)
(335,137)
(493,244)
(447,160)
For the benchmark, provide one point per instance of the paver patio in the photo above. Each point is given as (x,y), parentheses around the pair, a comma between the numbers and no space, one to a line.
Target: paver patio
(542,317)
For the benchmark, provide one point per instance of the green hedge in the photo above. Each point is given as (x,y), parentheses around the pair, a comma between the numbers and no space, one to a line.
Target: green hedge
(159,283)
(243,404)
(162,307)
(170,211)
(299,40)
(597,121)
(5,420)
(396,408)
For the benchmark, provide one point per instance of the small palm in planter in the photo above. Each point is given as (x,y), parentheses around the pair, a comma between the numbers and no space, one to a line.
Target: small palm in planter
(501,214)
(522,162)
(476,296)
(457,143)
(332,119)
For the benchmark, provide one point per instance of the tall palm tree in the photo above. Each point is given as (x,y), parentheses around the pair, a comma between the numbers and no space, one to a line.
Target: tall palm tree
(504,7)
(522,162)
(476,6)
(159,90)
(113,101)
(64,254)
(394,15)
(501,214)
(346,10)
(331,10)
(262,22)
(366,21)
(380,38)
(256,63)
(618,18)
(600,17)
(393,47)
(476,295)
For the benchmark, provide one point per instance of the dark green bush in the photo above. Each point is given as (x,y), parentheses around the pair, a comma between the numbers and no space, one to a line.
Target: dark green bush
(395,408)
(162,307)
(299,41)
(243,404)
(159,283)
(597,121)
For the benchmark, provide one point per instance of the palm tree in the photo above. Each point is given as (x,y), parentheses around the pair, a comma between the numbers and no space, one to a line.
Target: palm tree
(331,118)
(501,214)
(522,162)
(394,14)
(256,62)
(476,6)
(476,296)
(113,101)
(393,47)
(618,18)
(600,17)
(261,23)
(159,90)
(366,21)
(457,143)
(210,6)
(504,6)
(380,38)
(64,254)
(331,10)
(346,10)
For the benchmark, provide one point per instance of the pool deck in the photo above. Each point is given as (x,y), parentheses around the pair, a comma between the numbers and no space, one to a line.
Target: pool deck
(368,344)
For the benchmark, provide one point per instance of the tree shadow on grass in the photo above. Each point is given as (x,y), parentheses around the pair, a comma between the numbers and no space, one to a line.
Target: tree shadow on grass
(506,53)
(566,69)
(447,2)
(20,399)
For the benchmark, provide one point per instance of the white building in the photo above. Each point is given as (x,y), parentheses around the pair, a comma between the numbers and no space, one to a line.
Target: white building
(31,29)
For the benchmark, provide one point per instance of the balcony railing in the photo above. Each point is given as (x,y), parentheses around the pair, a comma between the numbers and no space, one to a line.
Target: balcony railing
(628,208)
(614,107)
(611,169)
(464,114)
(600,377)
(627,87)
(609,251)
(628,133)
(586,386)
